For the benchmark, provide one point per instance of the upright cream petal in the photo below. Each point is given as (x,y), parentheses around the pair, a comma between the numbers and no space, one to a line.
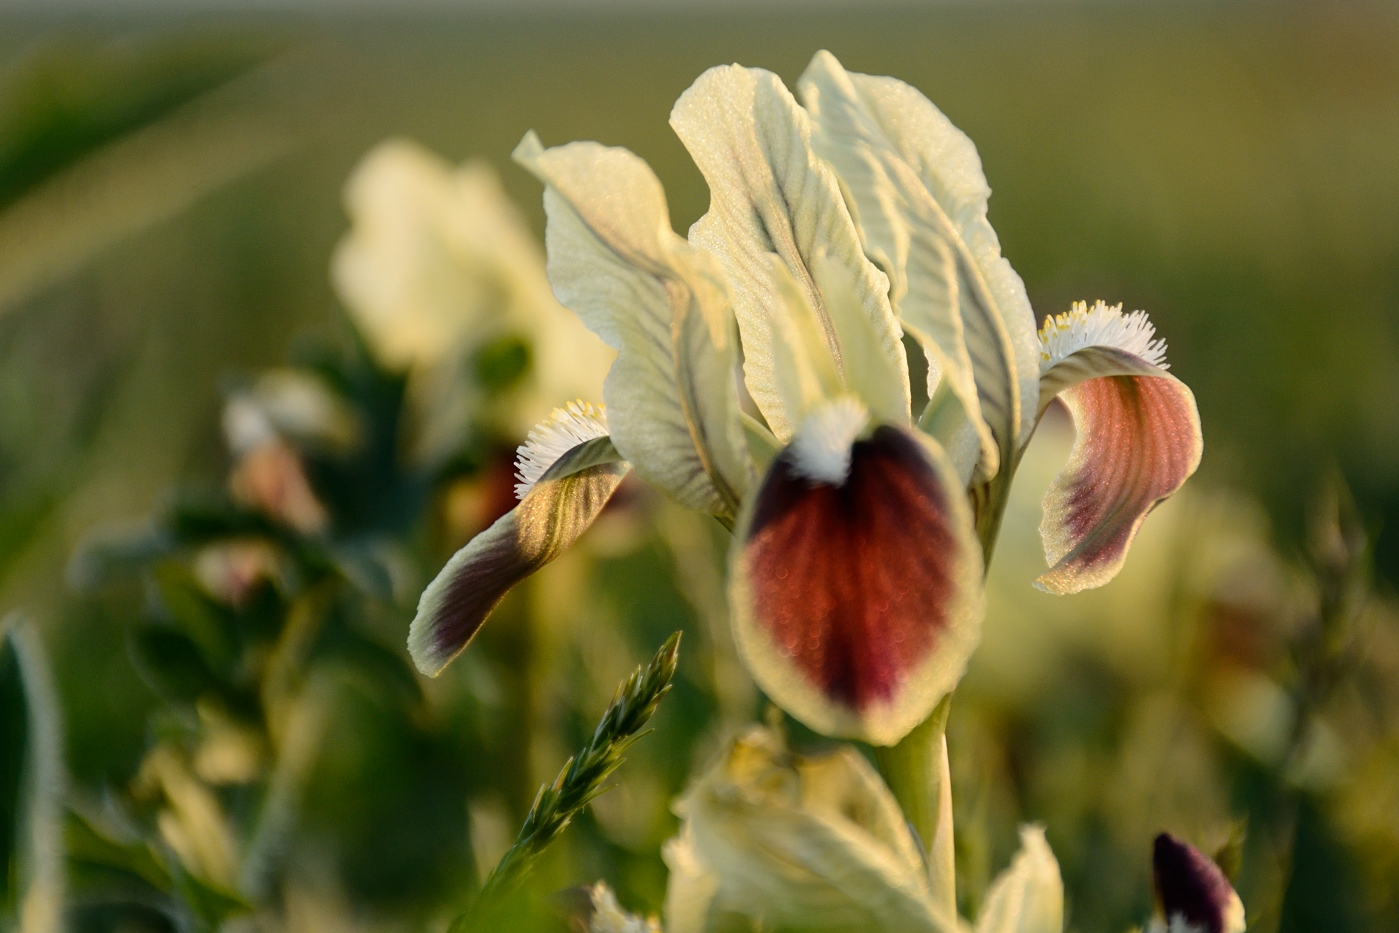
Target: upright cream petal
(790,842)
(936,285)
(879,379)
(856,582)
(555,511)
(947,162)
(804,370)
(806,374)
(672,403)
(769,193)
(607,916)
(1028,897)
(1138,440)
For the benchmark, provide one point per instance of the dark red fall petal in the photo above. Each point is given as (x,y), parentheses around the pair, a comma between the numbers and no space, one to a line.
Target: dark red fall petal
(855,588)
(1190,886)
(546,522)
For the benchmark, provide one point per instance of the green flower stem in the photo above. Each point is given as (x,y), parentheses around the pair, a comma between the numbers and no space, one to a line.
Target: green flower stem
(989,504)
(916,768)
(916,771)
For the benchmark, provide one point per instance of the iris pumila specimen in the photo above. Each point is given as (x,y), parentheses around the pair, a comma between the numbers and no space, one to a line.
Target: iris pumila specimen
(841,229)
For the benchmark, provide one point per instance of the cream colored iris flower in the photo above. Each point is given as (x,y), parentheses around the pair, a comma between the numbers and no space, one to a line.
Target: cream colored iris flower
(838,227)
(438,263)
(791,842)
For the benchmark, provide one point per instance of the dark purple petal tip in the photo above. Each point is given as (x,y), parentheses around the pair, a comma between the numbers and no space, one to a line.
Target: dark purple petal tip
(1190,887)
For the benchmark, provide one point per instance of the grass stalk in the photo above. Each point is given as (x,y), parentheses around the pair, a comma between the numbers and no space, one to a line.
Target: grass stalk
(579,782)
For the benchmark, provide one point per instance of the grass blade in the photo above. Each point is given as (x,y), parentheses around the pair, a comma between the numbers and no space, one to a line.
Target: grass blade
(578,783)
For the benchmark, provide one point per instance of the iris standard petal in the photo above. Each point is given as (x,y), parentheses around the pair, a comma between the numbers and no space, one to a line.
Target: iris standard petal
(613,258)
(856,604)
(1028,897)
(870,371)
(770,193)
(557,508)
(937,286)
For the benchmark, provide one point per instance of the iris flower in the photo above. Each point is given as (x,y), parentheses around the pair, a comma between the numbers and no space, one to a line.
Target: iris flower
(438,264)
(841,230)
(789,841)
(793,842)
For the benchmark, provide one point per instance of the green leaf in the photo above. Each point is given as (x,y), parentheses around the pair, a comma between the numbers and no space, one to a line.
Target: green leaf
(93,855)
(213,905)
(32,781)
(103,868)
(209,625)
(170,663)
(99,140)
(14,733)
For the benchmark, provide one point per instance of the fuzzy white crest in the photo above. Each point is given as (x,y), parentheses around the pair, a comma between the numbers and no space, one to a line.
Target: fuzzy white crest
(564,429)
(821,447)
(1102,325)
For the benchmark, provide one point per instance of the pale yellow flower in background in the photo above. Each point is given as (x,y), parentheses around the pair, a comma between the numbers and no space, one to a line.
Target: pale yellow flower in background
(438,263)
(264,424)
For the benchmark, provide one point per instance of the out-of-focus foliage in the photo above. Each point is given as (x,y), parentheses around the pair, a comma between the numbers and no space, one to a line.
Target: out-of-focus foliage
(248,743)
(1242,696)
(32,784)
(98,140)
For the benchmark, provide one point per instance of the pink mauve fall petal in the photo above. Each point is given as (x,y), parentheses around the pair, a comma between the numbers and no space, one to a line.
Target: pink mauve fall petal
(1138,440)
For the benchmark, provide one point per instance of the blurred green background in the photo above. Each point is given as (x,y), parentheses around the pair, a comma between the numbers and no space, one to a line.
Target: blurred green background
(170,194)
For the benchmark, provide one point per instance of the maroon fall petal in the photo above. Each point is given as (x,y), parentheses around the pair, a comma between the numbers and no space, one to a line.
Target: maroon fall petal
(1191,886)
(1138,441)
(855,585)
(546,522)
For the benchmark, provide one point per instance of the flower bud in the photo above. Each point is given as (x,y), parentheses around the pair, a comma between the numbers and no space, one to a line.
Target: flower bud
(1192,894)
